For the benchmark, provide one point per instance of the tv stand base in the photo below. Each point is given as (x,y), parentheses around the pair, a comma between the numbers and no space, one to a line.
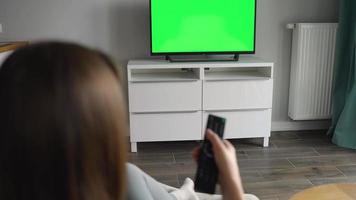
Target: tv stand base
(201,58)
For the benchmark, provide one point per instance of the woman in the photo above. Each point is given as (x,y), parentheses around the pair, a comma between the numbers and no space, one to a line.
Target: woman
(62,122)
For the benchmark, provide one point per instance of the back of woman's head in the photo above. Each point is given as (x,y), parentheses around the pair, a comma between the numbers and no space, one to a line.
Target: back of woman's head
(62,121)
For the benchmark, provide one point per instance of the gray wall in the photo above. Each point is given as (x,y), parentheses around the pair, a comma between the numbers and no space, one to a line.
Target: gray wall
(121,28)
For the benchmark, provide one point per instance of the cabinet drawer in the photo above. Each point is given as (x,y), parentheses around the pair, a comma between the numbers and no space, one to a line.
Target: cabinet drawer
(165,96)
(245,124)
(241,94)
(165,126)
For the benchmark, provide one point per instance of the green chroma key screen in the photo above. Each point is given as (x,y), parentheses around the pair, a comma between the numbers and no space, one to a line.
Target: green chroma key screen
(199,26)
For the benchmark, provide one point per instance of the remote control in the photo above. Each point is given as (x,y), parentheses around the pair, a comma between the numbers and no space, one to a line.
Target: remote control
(207,173)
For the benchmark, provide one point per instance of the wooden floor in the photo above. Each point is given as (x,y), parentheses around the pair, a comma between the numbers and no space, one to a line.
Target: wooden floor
(293,161)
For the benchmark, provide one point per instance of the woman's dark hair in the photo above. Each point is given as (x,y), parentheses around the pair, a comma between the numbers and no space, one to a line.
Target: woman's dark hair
(62,122)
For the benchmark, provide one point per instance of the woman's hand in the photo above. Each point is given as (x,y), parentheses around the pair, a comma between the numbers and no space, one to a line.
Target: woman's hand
(226,161)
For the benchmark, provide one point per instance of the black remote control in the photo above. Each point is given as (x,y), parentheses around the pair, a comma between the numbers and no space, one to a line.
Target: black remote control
(207,173)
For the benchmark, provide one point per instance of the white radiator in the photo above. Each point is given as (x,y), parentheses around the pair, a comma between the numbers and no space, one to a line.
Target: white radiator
(311,74)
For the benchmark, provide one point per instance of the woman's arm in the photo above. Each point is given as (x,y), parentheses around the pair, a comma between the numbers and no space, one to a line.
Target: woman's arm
(226,161)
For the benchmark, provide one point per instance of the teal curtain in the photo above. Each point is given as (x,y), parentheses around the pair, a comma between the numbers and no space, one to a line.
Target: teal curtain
(343,129)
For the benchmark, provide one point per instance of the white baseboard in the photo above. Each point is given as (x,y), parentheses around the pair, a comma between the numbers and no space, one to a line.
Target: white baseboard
(300,125)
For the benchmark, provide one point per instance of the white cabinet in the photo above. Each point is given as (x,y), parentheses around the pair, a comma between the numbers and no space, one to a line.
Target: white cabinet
(170,101)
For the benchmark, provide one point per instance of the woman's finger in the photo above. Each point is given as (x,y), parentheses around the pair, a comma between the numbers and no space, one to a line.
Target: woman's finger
(196,153)
(214,139)
(228,144)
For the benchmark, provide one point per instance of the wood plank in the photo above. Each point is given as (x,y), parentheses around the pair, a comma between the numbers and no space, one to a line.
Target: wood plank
(277,187)
(280,153)
(334,150)
(324,161)
(265,163)
(348,170)
(304,172)
(323,181)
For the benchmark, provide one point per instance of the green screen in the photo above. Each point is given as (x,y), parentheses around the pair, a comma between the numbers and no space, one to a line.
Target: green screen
(202,26)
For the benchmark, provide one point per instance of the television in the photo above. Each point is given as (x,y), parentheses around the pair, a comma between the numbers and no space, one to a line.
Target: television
(202,27)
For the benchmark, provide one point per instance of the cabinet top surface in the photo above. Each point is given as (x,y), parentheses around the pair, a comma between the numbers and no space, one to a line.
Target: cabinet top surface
(244,61)
(10,46)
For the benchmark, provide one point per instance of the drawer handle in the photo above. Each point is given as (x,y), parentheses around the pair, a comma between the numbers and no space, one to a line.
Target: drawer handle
(165,112)
(164,81)
(234,110)
(237,79)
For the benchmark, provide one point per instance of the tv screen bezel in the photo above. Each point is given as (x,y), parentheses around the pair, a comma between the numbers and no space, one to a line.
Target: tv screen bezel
(207,52)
